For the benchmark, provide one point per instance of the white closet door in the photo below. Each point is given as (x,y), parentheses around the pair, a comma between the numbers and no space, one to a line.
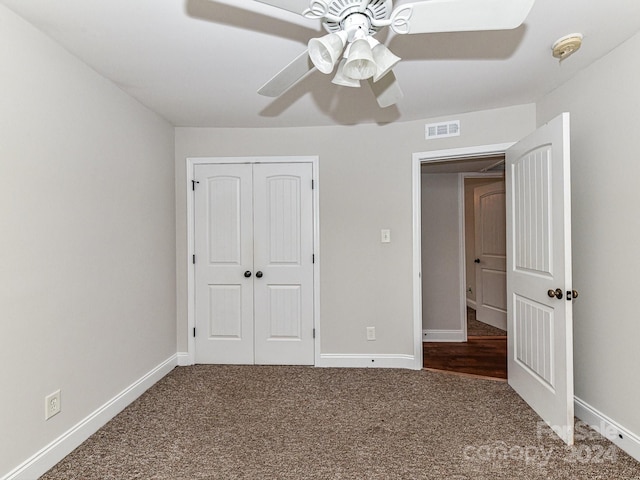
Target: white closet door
(224,252)
(283,256)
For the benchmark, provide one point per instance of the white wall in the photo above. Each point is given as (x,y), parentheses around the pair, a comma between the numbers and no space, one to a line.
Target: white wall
(604,102)
(440,252)
(87,267)
(365,185)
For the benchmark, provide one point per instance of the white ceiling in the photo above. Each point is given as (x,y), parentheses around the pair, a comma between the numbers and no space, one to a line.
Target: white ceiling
(200,62)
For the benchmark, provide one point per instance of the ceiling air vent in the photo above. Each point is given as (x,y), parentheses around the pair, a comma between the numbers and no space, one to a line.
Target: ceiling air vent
(441,130)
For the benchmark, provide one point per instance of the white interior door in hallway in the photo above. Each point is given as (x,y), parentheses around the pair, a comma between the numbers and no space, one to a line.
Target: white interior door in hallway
(491,256)
(254,263)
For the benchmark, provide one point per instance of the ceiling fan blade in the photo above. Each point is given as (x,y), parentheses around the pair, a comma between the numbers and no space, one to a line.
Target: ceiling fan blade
(459,15)
(289,75)
(295,6)
(387,90)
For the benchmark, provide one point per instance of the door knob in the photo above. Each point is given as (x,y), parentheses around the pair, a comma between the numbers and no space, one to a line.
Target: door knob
(555,293)
(477,260)
(572,294)
(259,274)
(247,274)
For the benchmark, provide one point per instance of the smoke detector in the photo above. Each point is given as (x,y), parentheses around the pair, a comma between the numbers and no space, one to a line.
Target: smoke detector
(567,46)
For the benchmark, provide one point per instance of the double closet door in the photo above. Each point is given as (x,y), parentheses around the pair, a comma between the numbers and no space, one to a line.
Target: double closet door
(254,263)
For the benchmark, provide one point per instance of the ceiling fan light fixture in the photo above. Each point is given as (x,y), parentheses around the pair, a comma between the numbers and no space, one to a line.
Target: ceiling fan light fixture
(384,59)
(352,23)
(325,51)
(360,64)
(342,79)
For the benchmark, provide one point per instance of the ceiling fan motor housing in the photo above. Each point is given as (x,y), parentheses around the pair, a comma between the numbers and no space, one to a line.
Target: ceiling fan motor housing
(344,9)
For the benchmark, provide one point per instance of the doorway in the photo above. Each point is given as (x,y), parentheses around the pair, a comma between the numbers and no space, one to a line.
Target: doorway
(539,314)
(463,252)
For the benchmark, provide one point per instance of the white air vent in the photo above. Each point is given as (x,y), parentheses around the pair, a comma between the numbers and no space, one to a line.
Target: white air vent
(441,130)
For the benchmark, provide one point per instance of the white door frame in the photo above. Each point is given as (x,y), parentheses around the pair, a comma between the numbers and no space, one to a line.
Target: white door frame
(191,297)
(417,160)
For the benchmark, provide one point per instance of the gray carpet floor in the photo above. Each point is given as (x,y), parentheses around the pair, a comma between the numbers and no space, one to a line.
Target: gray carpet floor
(262,422)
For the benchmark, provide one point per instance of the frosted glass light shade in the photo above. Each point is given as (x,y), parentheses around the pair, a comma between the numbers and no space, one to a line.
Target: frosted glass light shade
(360,64)
(342,79)
(325,51)
(385,60)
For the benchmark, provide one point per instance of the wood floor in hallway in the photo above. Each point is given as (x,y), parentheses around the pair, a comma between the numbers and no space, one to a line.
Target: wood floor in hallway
(484,356)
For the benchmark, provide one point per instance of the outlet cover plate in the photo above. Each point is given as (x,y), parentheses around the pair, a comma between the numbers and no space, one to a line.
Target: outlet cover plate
(52,405)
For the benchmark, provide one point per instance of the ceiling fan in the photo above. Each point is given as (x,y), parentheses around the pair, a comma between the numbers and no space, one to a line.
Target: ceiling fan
(353,23)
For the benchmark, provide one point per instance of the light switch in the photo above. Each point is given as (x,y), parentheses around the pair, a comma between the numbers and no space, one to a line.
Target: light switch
(385,235)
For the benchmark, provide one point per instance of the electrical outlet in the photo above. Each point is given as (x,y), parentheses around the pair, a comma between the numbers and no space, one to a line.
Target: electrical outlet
(371,333)
(52,405)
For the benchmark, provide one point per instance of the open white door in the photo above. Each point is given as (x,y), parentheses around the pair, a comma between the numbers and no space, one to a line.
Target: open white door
(539,284)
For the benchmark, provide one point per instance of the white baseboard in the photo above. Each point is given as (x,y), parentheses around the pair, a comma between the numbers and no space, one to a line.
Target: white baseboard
(608,428)
(184,359)
(356,360)
(50,455)
(430,335)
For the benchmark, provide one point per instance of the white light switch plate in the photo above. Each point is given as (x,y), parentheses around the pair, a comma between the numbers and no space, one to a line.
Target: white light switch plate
(371,333)
(385,235)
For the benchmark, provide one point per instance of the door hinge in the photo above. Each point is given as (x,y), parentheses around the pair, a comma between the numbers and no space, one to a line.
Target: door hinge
(312,185)
(194,331)
(193,259)
(193,184)
(314,333)
(313,258)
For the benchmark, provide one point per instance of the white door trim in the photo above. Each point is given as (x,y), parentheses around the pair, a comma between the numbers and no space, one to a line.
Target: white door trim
(190,164)
(418,159)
